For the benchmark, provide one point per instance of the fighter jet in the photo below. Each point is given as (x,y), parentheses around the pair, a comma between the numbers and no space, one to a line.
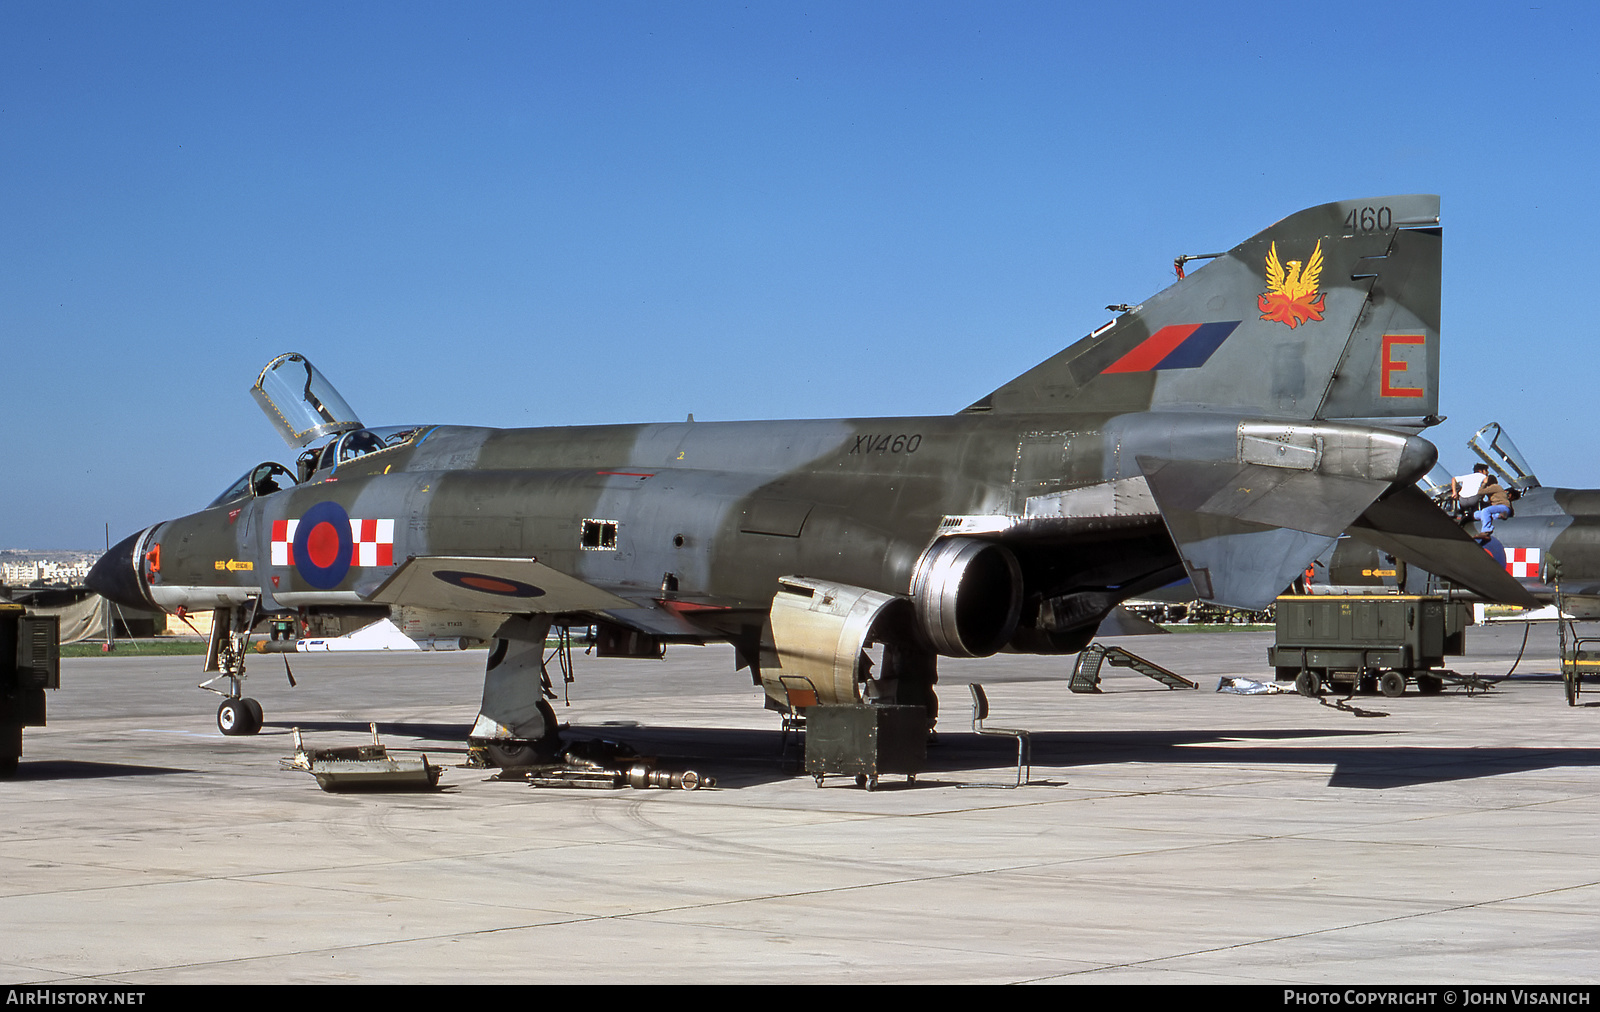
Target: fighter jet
(1226,431)
(1551,540)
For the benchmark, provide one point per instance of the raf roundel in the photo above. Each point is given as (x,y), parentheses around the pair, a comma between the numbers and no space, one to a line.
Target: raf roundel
(323,546)
(486,584)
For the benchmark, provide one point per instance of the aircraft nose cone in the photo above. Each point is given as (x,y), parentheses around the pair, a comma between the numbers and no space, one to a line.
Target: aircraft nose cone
(115,577)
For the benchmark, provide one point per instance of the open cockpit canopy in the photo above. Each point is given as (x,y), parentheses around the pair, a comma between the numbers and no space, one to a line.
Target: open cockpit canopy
(300,402)
(1501,454)
(308,412)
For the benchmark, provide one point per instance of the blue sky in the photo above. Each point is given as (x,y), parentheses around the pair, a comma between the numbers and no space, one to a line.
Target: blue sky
(554,213)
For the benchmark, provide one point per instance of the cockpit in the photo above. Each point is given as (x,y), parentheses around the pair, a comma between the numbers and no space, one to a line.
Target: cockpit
(263,479)
(352,445)
(305,409)
(269,476)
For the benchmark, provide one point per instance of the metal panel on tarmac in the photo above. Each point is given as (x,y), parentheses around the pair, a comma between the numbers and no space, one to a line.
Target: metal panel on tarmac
(1169,836)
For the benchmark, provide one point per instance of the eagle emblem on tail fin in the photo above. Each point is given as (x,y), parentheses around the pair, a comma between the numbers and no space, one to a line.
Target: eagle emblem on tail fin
(1291,297)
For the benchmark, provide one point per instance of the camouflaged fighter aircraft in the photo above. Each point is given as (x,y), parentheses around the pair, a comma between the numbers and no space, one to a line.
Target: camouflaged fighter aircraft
(1226,430)
(1552,536)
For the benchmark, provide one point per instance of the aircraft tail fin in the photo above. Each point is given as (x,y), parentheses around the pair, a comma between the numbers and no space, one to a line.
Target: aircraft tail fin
(1332,313)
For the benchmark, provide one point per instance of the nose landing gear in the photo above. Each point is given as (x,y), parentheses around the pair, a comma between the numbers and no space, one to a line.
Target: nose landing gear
(230,638)
(239,716)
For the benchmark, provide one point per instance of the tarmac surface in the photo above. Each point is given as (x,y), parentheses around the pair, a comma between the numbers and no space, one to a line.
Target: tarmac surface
(1167,836)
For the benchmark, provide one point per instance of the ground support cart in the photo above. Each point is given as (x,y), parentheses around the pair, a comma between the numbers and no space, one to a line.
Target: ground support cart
(1375,642)
(30,662)
(1580,656)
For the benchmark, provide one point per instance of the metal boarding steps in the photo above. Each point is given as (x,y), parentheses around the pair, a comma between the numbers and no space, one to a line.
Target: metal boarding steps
(1086,672)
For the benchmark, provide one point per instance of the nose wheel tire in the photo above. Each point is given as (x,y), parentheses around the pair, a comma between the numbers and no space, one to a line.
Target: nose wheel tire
(239,717)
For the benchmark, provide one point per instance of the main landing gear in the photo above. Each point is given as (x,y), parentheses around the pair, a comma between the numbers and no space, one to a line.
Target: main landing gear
(516,725)
(505,753)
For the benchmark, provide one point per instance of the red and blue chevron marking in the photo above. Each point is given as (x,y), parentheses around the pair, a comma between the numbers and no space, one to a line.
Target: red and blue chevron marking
(1181,346)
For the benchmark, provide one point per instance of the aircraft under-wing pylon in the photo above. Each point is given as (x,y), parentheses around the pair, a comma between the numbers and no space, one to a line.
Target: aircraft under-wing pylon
(1226,430)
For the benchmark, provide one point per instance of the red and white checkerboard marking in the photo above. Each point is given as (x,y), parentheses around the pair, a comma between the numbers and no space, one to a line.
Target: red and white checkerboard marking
(371,542)
(283,542)
(1523,563)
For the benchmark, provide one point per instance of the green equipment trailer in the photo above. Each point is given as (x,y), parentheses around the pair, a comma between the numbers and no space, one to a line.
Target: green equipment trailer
(1367,642)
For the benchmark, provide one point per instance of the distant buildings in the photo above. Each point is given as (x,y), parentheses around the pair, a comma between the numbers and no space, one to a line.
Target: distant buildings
(59,569)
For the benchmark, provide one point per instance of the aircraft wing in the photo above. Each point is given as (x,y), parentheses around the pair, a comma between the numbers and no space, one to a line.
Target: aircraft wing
(502,586)
(1406,524)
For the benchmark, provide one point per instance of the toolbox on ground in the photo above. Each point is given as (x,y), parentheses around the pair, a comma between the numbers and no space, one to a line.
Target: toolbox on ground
(865,741)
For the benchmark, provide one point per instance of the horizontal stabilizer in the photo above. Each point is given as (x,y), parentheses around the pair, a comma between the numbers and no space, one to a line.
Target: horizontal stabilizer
(499,586)
(1245,531)
(1409,526)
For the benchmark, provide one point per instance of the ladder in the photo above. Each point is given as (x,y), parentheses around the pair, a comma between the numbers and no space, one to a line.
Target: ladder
(1086,672)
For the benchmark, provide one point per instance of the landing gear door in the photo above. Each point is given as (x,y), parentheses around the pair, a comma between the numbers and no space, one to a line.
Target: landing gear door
(300,402)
